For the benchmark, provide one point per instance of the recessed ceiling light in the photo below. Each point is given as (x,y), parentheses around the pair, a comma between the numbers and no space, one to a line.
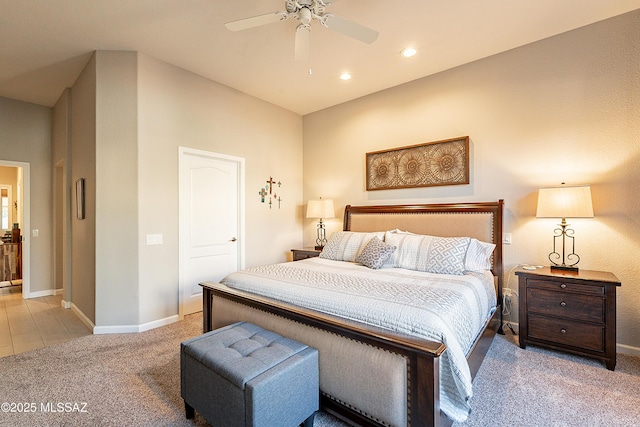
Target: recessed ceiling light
(408,52)
(345,76)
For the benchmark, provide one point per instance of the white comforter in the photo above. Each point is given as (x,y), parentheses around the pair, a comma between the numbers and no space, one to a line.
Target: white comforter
(443,308)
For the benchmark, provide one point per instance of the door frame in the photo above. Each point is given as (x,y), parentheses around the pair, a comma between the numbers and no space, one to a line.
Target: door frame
(26,222)
(183,212)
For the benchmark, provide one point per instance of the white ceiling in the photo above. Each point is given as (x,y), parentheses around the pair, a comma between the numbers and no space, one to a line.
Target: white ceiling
(44,44)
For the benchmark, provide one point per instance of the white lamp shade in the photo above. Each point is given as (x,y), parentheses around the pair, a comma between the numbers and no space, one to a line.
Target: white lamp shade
(565,202)
(322,208)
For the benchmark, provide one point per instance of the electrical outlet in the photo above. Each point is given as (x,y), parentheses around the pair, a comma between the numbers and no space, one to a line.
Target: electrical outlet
(506,238)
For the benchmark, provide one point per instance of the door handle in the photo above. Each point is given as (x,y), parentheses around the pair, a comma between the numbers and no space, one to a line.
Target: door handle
(233,239)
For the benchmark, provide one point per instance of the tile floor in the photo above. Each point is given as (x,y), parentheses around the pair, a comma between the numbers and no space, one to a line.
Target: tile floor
(35,323)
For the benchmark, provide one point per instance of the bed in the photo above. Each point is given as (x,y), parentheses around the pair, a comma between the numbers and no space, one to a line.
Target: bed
(372,372)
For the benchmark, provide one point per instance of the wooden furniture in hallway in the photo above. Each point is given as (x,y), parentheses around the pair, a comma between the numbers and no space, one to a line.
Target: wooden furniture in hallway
(10,261)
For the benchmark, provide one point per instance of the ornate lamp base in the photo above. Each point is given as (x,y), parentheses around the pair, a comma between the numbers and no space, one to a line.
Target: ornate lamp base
(564,233)
(322,236)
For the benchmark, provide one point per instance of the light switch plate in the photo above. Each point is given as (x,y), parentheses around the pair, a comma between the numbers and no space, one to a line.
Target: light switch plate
(506,238)
(154,239)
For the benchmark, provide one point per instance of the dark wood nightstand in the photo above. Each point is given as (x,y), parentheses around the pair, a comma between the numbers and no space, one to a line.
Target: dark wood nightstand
(305,253)
(567,311)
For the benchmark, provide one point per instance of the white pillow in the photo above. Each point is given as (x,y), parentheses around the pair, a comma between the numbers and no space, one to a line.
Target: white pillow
(478,256)
(347,245)
(398,231)
(445,255)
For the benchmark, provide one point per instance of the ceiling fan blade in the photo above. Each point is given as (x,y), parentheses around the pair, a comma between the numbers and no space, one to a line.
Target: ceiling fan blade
(303,42)
(255,21)
(351,29)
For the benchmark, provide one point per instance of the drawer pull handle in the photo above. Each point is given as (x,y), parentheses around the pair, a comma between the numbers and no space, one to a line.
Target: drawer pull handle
(563,330)
(563,286)
(563,304)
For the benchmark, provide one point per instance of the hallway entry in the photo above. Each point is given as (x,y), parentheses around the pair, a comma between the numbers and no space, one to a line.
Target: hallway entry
(14,223)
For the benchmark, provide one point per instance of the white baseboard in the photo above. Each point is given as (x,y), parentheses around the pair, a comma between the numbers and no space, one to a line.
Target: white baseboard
(628,350)
(65,304)
(39,294)
(119,329)
(84,319)
(45,293)
(124,329)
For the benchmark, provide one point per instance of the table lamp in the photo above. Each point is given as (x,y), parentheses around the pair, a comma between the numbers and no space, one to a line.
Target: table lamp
(322,208)
(564,202)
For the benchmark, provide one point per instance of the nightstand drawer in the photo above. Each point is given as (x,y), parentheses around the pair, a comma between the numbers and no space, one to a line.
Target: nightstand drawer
(300,254)
(566,332)
(564,285)
(564,304)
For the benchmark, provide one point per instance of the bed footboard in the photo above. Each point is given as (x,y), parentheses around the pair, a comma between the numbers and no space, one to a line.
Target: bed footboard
(368,376)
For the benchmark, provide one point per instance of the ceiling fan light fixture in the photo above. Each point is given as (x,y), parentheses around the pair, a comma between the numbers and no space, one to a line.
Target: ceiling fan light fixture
(307,11)
(345,76)
(408,52)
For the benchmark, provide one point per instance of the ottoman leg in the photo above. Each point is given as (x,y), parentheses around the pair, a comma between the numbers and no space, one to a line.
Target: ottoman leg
(190,412)
(309,421)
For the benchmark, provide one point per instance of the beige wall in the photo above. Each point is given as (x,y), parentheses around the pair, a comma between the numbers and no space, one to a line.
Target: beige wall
(116,189)
(83,165)
(129,114)
(61,162)
(178,108)
(25,136)
(562,109)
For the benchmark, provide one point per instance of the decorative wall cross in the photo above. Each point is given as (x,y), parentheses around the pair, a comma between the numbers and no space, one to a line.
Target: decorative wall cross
(269,190)
(262,193)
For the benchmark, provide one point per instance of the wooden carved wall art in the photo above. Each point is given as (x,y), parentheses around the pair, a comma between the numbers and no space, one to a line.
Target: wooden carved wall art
(269,191)
(423,165)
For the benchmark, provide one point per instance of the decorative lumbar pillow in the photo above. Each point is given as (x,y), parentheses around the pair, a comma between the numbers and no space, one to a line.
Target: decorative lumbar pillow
(478,256)
(347,245)
(375,253)
(432,254)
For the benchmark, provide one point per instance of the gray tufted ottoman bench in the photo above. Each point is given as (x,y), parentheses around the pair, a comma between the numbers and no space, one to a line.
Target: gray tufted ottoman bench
(244,375)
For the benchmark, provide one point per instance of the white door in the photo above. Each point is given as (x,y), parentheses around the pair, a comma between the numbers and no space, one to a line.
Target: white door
(211,218)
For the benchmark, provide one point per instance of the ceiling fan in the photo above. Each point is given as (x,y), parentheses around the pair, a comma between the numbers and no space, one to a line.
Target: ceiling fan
(307,11)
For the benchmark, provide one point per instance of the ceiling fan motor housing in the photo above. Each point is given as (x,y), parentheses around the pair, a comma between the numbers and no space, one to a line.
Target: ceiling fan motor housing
(305,10)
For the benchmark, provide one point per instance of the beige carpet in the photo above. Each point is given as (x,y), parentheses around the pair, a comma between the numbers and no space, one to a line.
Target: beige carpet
(134,380)
(103,380)
(538,387)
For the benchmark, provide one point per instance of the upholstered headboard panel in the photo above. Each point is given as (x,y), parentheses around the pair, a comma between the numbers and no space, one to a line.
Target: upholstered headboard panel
(478,225)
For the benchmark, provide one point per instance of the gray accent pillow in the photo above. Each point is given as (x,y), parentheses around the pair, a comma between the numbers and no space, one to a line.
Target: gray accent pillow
(347,245)
(375,253)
